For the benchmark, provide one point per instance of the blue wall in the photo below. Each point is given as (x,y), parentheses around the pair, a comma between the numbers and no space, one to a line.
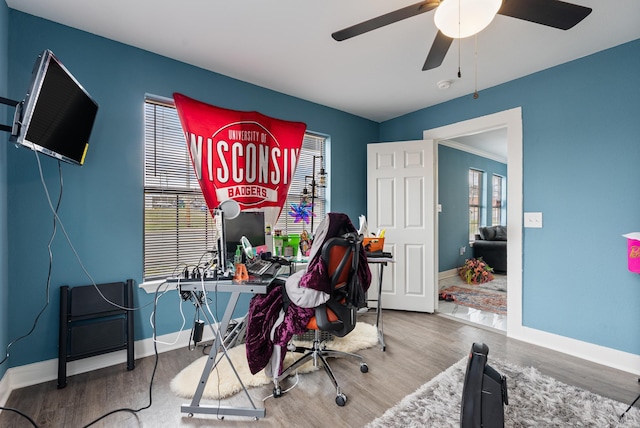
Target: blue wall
(581,151)
(102,203)
(453,195)
(581,156)
(4,113)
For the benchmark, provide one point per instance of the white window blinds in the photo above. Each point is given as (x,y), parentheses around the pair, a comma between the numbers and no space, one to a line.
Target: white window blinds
(178,229)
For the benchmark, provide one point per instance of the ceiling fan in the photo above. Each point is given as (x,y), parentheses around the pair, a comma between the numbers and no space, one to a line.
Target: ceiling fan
(552,13)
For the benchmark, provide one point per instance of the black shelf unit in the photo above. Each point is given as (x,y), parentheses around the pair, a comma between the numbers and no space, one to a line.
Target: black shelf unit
(91,325)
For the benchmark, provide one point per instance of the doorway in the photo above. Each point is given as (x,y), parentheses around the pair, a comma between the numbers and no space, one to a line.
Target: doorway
(472,180)
(511,120)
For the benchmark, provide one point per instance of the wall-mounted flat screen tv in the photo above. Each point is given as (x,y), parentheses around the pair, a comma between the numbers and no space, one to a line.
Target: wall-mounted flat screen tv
(57,114)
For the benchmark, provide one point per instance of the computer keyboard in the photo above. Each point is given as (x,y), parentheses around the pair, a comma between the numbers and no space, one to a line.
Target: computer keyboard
(258,267)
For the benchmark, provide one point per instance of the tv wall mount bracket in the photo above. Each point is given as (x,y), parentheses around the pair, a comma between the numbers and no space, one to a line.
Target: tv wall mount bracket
(12,103)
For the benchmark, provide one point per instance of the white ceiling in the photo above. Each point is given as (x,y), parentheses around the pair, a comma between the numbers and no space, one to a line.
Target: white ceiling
(490,144)
(285,45)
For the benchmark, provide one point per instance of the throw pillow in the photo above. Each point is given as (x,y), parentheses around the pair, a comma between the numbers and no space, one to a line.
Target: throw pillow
(501,233)
(488,233)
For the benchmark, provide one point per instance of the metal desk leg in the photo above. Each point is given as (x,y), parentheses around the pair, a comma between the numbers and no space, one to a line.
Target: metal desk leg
(379,308)
(212,361)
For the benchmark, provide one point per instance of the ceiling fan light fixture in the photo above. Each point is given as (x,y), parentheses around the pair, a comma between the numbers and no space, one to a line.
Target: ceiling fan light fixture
(463,18)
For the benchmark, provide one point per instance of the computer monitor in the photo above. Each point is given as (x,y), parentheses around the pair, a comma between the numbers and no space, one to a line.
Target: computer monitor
(249,224)
(220,242)
(57,114)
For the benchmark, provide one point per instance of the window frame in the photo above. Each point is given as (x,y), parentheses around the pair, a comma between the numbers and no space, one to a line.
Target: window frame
(497,199)
(475,182)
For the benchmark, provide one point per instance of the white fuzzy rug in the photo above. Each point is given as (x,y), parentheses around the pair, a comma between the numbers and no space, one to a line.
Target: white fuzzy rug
(223,383)
(535,400)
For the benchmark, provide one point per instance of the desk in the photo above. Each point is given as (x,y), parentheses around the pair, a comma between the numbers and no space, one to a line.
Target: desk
(225,286)
(381,262)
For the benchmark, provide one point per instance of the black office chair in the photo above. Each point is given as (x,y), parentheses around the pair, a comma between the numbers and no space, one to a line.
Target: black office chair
(338,315)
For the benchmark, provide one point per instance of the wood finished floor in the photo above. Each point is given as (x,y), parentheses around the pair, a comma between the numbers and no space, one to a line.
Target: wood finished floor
(419,346)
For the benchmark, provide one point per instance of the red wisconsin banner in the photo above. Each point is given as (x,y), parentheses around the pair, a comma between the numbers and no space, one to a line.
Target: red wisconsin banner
(245,156)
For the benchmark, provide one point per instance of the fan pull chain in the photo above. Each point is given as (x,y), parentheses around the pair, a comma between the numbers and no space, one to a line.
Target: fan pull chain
(475,93)
(459,42)
(459,72)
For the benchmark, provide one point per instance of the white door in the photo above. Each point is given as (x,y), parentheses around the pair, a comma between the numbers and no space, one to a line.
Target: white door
(401,199)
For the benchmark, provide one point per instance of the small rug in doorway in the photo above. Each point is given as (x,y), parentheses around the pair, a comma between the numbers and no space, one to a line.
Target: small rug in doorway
(499,283)
(223,383)
(535,400)
(478,298)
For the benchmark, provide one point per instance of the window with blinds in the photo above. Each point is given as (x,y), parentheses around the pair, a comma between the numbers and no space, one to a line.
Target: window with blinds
(178,228)
(475,201)
(313,150)
(496,200)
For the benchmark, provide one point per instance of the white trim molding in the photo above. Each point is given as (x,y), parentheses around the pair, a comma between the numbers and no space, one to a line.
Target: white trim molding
(609,357)
(474,151)
(512,120)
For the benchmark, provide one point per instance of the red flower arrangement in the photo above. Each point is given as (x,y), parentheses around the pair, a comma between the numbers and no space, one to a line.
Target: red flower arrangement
(475,271)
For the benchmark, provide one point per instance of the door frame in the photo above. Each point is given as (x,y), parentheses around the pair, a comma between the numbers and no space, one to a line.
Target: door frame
(512,120)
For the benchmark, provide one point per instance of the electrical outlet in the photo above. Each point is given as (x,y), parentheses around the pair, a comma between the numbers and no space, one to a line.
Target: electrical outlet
(463,250)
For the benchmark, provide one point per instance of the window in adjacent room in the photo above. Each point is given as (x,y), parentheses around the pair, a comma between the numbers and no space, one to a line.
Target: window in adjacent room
(475,201)
(178,228)
(497,199)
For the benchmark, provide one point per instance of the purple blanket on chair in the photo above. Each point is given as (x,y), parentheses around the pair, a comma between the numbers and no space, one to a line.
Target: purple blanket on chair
(265,310)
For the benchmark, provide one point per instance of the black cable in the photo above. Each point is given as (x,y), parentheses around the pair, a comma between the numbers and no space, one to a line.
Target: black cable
(202,296)
(630,405)
(48,289)
(9,409)
(48,286)
(192,335)
(153,374)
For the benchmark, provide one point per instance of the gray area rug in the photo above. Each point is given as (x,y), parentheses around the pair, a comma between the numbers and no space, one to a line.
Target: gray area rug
(499,283)
(535,400)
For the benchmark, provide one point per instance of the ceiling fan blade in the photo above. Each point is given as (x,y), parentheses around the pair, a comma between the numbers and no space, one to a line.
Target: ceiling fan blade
(386,19)
(552,13)
(438,51)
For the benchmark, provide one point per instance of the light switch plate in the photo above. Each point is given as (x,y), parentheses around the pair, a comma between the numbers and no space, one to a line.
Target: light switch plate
(533,220)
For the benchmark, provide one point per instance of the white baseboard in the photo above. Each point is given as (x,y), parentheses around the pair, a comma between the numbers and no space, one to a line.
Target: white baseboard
(587,351)
(609,357)
(448,273)
(44,371)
